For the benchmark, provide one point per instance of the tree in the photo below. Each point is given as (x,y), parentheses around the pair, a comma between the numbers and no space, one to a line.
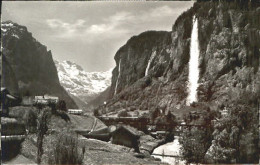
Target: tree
(67,150)
(194,145)
(196,140)
(42,130)
(122,113)
(235,136)
(61,105)
(31,120)
(155,113)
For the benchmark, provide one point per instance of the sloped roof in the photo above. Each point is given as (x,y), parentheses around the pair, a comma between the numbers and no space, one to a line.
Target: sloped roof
(129,129)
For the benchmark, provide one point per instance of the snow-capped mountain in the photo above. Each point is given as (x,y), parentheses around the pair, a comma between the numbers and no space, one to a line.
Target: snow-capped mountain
(84,85)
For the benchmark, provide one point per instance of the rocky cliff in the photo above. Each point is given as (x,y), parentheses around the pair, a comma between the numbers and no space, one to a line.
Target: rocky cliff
(152,68)
(152,71)
(28,67)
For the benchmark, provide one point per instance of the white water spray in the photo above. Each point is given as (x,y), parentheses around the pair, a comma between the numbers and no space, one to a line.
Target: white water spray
(193,64)
(149,63)
(117,76)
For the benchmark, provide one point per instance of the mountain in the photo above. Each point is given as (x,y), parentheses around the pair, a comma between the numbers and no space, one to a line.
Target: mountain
(152,71)
(152,68)
(28,67)
(84,86)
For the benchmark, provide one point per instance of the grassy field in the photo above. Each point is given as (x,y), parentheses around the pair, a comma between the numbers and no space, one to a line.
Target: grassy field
(85,122)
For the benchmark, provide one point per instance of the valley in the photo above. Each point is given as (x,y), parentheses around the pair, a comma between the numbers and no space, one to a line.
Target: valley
(186,96)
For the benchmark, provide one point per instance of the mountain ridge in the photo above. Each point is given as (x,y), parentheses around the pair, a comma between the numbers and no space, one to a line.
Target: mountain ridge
(81,84)
(31,64)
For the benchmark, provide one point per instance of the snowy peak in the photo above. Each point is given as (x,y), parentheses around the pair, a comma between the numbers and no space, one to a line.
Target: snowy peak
(12,29)
(84,85)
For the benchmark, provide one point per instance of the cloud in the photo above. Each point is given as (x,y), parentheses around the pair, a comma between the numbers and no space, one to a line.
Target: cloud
(111,23)
(65,27)
(119,24)
(157,13)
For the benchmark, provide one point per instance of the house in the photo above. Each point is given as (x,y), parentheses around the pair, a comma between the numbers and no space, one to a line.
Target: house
(45,99)
(75,111)
(126,136)
(7,100)
(27,100)
(103,134)
(224,112)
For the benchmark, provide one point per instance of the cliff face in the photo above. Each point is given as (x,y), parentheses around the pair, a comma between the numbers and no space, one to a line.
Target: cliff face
(32,65)
(229,59)
(132,59)
(229,49)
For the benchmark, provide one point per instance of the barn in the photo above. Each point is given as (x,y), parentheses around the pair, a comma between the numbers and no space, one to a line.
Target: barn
(7,100)
(126,136)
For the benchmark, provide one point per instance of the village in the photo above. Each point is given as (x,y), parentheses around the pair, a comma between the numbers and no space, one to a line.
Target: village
(137,132)
(133,132)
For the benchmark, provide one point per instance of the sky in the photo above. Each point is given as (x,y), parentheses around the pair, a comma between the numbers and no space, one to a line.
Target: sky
(90,33)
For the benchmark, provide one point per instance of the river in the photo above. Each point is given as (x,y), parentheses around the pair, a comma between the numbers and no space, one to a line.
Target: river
(172,148)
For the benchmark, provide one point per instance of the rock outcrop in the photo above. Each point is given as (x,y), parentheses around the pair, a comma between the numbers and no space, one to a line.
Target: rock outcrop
(152,67)
(30,64)
(229,63)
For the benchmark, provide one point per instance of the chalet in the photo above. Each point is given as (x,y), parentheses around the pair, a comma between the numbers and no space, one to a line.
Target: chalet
(7,100)
(224,112)
(136,122)
(27,100)
(126,136)
(75,111)
(103,134)
(45,99)
(158,133)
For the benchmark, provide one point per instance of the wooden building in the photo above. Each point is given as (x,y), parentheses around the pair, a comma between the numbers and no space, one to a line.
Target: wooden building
(45,99)
(27,100)
(126,136)
(7,100)
(75,111)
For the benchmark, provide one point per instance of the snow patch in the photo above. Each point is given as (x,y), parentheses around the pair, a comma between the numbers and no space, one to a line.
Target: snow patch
(80,83)
(8,24)
(4,30)
(15,35)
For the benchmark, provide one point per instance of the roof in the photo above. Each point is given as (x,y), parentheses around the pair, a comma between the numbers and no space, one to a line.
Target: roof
(3,88)
(129,129)
(10,97)
(79,110)
(50,97)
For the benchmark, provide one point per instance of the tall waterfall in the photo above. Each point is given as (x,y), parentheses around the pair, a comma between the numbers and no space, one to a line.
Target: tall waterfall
(117,76)
(149,63)
(193,64)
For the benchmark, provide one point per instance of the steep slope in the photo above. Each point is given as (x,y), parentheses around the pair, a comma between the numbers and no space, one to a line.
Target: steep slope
(33,67)
(229,75)
(228,60)
(81,84)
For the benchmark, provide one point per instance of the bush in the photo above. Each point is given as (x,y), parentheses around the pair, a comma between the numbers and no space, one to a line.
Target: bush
(66,150)
(61,105)
(122,113)
(31,121)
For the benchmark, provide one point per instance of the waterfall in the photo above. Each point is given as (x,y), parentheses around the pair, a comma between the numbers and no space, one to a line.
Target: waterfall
(118,76)
(149,63)
(193,64)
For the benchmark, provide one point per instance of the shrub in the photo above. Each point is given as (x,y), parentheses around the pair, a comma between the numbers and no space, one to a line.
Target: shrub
(42,129)
(66,150)
(122,113)
(31,121)
(61,105)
